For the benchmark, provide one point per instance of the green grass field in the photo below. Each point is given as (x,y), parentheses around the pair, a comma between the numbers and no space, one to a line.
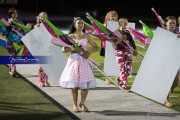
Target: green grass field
(20,100)
(23,101)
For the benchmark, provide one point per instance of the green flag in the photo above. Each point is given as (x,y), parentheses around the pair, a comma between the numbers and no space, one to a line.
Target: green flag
(54,28)
(56,31)
(2,24)
(99,25)
(147,31)
(22,26)
(88,25)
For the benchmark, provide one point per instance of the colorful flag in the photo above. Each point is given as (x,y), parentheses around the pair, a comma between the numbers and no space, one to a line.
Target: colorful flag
(147,31)
(107,34)
(90,29)
(2,26)
(103,31)
(21,26)
(161,21)
(13,34)
(54,31)
(1,23)
(141,37)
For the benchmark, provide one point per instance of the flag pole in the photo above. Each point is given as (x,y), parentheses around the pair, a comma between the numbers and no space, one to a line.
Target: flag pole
(106,75)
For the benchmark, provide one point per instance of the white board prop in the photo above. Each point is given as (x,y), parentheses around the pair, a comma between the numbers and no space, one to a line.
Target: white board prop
(132,25)
(159,67)
(38,41)
(110,64)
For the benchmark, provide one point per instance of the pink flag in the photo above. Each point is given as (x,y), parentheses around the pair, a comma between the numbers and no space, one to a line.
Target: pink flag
(50,30)
(93,32)
(117,33)
(159,18)
(5,22)
(141,37)
(59,42)
(100,32)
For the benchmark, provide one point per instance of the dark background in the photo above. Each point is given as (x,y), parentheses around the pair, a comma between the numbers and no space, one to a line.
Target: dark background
(63,11)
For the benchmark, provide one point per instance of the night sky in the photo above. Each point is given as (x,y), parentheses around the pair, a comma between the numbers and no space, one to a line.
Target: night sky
(123,7)
(133,10)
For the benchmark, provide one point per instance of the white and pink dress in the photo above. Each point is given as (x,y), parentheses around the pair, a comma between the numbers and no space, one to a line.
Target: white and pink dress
(78,72)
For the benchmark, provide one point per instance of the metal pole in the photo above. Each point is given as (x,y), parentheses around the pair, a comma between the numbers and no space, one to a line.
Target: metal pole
(105,75)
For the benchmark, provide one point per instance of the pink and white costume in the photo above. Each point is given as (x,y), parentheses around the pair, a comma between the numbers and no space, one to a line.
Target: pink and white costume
(78,72)
(42,78)
(124,59)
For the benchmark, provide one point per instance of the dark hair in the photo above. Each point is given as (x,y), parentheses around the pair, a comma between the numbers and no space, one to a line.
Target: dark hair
(11,11)
(169,18)
(72,27)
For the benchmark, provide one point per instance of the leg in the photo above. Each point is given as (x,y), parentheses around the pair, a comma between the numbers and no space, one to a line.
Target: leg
(122,78)
(120,61)
(9,67)
(84,94)
(176,81)
(127,72)
(168,102)
(10,71)
(40,80)
(74,93)
(12,52)
(47,84)
(124,60)
(107,81)
(13,69)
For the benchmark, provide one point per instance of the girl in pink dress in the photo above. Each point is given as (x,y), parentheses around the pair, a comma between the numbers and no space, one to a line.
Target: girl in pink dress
(78,73)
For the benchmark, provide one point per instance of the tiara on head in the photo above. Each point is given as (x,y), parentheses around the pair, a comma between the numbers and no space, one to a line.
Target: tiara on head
(75,18)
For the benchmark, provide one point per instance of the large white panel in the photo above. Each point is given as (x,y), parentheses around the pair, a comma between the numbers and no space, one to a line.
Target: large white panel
(159,67)
(38,41)
(110,63)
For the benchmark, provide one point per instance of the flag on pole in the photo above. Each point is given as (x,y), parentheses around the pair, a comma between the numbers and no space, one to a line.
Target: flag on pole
(62,39)
(141,37)
(107,34)
(28,29)
(90,29)
(147,31)
(161,21)
(103,31)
